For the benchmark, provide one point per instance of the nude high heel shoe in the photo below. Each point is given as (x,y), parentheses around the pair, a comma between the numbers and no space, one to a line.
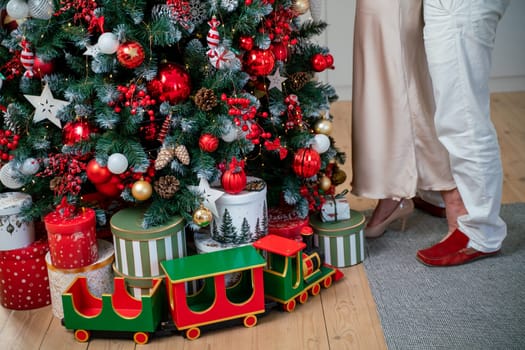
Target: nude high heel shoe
(402,212)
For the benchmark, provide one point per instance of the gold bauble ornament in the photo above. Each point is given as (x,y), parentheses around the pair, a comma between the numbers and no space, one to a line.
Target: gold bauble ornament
(202,216)
(323,126)
(338,177)
(325,183)
(141,190)
(301,6)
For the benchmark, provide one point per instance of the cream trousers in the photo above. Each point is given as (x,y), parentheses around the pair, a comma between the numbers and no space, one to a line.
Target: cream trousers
(459,38)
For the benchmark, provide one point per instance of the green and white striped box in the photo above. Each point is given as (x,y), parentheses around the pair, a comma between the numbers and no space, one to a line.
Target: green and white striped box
(139,251)
(342,242)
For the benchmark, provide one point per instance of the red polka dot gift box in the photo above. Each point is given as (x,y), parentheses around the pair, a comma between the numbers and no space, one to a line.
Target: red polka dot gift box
(72,236)
(24,282)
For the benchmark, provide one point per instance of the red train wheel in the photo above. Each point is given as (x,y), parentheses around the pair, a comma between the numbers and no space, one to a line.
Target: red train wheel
(81,335)
(250,321)
(140,338)
(193,333)
(315,289)
(303,298)
(289,306)
(327,282)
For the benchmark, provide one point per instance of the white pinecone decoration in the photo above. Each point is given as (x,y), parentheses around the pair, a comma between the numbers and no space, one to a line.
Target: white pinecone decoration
(164,157)
(181,152)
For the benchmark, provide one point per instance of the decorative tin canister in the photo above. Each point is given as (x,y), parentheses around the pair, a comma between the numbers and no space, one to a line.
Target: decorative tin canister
(243,217)
(15,233)
(72,236)
(342,242)
(24,282)
(99,276)
(139,251)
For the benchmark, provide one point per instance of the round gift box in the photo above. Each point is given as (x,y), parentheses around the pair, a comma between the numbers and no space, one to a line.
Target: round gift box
(24,282)
(342,242)
(72,240)
(284,222)
(139,251)
(14,232)
(99,276)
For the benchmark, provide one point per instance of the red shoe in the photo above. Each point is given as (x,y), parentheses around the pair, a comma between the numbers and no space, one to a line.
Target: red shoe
(429,208)
(452,251)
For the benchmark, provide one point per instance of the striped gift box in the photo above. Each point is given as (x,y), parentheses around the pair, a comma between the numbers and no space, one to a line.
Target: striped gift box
(139,251)
(342,242)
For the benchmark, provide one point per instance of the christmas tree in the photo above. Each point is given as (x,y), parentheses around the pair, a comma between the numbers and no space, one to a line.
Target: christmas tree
(150,101)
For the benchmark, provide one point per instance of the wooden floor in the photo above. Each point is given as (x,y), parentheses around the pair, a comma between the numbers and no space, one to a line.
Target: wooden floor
(342,317)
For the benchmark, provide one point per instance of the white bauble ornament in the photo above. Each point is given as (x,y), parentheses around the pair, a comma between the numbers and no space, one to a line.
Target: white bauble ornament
(1,83)
(117,163)
(10,177)
(321,143)
(108,43)
(41,9)
(17,9)
(30,166)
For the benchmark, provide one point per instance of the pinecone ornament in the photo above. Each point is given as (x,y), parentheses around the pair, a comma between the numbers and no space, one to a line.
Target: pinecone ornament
(298,80)
(164,157)
(166,186)
(181,152)
(206,99)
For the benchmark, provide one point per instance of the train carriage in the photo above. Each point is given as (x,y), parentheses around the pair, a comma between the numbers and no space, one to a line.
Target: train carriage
(216,300)
(119,311)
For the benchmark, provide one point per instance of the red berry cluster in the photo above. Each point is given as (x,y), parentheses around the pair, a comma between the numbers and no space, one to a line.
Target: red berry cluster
(278,27)
(134,98)
(311,193)
(83,9)
(8,143)
(67,167)
(293,111)
(12,68)
(244,114)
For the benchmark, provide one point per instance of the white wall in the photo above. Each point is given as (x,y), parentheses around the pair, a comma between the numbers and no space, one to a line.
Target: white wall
(508,71)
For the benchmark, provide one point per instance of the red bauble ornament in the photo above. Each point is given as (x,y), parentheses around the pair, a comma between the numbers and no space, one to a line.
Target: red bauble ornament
(97,173)
(208,143)
(329,61)
(172,84)
(233,180)
(42,68)
(318,62)
(259,62)
(111,188)
(246,43)
(76,131)
(306,162)
(130,54)
(280,50)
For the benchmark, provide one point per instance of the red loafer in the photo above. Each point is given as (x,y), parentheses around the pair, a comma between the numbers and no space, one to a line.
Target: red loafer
(452,251)
(429,208)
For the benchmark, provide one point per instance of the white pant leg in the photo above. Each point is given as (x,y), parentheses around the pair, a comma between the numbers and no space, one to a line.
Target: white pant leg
(459,37)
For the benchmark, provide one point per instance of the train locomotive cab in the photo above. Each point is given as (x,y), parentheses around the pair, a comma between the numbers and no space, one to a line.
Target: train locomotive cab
(291,274)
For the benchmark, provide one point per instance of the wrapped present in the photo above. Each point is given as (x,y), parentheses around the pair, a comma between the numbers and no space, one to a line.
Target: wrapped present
(335,208)
(138,250)
(341,242)
(72,236)
(284,221)
(99,276)
(24,282)
(15,232)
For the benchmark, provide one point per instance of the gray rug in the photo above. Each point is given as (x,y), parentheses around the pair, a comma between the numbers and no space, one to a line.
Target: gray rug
(480,305)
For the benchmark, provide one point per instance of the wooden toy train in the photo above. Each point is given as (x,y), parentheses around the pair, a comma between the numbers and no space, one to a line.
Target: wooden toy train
(237,283)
